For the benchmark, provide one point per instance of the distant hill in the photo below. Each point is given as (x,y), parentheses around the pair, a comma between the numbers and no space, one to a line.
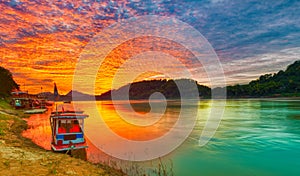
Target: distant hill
(47,95)
(282,83)
(70,96)
(74,95)
(143,90)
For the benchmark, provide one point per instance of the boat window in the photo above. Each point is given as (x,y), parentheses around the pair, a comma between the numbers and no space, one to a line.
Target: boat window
(75,126)
(69,126)
(62,126)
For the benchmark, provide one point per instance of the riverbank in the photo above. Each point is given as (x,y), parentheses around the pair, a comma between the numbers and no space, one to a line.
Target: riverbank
(20,156)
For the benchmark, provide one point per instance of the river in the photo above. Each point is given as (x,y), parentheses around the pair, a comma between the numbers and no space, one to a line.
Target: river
(254,137)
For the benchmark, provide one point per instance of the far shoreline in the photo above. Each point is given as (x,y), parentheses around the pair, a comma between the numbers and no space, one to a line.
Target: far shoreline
(228,98)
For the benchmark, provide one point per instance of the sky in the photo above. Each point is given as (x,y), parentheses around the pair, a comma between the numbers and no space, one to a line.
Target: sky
(42,41)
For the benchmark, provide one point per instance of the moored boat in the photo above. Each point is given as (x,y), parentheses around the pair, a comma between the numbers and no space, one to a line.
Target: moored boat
(35,111)
(67,127)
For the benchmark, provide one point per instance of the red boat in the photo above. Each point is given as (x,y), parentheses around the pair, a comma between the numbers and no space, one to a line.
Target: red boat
(67,127)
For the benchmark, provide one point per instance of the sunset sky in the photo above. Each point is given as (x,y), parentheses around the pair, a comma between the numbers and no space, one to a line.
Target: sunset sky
(41,41)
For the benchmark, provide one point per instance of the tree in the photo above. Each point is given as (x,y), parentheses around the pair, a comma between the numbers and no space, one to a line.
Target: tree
(7,84)
(283,82)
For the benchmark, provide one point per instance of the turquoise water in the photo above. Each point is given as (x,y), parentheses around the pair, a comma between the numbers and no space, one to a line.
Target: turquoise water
(255,137)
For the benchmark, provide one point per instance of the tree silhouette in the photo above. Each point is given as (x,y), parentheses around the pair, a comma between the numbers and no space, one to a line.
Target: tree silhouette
(6,82)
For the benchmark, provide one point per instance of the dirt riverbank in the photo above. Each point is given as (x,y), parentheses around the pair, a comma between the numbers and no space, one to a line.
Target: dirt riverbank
(20,156)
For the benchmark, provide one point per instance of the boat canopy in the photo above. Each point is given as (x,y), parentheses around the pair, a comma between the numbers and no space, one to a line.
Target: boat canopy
(69,116)
(66,109)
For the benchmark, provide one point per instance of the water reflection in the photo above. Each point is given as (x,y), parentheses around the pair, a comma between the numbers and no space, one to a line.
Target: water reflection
(39,130)
(131,131)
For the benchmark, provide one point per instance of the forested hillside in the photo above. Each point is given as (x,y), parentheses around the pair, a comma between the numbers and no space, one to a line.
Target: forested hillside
(282,83)
(143,89)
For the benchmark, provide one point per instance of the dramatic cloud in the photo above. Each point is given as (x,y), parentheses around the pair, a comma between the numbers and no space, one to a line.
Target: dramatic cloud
(41,41)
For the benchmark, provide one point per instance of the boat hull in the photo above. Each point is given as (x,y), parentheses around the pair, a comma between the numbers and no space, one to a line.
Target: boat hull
(35,111)
(60,148)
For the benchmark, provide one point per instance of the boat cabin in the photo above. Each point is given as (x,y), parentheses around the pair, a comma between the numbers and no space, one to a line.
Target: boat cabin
(67,131)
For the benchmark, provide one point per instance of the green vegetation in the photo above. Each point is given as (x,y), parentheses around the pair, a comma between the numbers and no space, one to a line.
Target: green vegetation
(283,83)
(169,88)
(4,104)
(6,83)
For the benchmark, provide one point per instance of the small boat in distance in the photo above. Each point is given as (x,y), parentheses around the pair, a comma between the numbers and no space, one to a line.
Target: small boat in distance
(32,104)
(35,111)
(67,125)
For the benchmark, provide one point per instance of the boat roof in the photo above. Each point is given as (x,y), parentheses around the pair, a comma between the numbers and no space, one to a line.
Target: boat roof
(18,92)
(21,98)
(64,112)
(66,108)
(69,116)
